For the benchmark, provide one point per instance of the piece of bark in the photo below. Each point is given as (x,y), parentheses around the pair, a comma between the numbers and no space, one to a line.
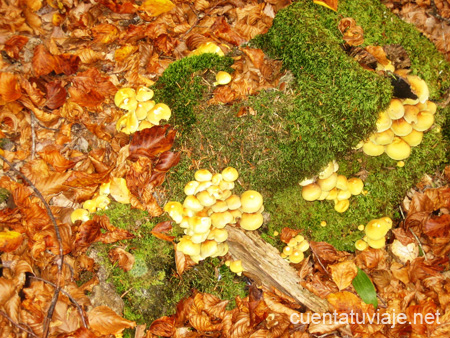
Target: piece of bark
(263,262)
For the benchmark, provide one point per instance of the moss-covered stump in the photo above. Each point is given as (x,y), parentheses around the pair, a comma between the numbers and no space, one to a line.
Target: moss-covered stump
(332,103)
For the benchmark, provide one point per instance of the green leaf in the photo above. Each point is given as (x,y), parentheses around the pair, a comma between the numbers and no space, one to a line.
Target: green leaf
(365,288)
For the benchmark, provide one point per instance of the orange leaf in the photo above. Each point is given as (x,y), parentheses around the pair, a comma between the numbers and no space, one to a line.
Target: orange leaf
(124,52)
(105,33)
(331,4)
(163,327)
(182,262)
(14,45)
(10,240)
(56,95)
(9,87)
(151,141)
(343,273)
(105,321)
(156,7)
(124,259)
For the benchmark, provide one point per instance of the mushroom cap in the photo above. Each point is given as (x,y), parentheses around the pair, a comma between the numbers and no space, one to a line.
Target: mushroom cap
(327,171)
(143,108)
(79,215)
(411,113)
(372,149)
(90,205)
(311,192)
(341,206)
(383,122)
(343,195)
(377,228)
(219,206)
(251,221)
(191,187)
(199,237)
(383,138)
(303,245)
(251,201)
(233,202)
(376,244)
(328,183)
(187,247)
(424,121)
(222,250)
(208,248)
(230,174)
(307,181)
(219,235)
(355,185)
(361,245)
(323,195)
(236,267)
(144,125)
(236,214)
(395,109)
(296,256)
(341,182)
(400,127)
(123,94)
(224,185)
(398,150)
(223,195)
(128,123)
(144,94)
(414,138)
(175,211)
(419,87)
(203,175)
(205,198)
(199,225)
(192,203)
(332,194)
(287,250)
(222,78)
(119,190)
(104,188)
(216,179)
(220,219)
(431,107)
(160,111)
(207,47)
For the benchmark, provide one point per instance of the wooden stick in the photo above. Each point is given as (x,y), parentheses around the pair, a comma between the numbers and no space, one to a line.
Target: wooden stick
(263,263)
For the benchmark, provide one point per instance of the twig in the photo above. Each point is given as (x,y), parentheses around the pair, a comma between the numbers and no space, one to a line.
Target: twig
(33,135)
(4,314)
(64,292)
(418,242)
(60,260)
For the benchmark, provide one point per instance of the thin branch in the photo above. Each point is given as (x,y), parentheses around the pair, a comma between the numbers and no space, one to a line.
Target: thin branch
(4,314)
(68,295)
(60,260)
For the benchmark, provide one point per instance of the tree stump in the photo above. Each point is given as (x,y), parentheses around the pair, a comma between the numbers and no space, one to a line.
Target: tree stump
(262,262)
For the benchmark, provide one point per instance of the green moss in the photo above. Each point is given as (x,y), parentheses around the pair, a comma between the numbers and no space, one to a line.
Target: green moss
(152,288)
(182,88)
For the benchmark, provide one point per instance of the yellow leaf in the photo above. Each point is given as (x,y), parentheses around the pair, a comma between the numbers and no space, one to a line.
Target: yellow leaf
(331,4)
(124,52)
(10,240)
(156,7)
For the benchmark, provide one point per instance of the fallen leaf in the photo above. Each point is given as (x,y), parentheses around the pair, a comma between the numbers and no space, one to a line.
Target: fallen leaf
(331,4)
(105,321)
(343,273)
(161,229)
(9,87)
(156,7)
(10,240)
(124,259)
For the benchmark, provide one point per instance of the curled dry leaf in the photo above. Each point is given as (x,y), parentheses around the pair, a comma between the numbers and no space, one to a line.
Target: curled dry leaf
(156,7)
(9,87)
(183,262)
(163,327)
(161,229)
(124,259)
(287,234)
(352,34)
(105,321)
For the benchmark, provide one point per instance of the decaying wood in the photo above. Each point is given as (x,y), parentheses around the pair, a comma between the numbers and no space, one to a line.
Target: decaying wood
(263,262)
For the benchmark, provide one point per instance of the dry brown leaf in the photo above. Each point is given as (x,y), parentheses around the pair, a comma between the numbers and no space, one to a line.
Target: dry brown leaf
(9,87)
(105,321)
(343,273)
(124,259)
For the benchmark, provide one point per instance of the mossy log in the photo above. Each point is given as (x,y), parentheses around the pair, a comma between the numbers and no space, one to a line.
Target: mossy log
(263,263)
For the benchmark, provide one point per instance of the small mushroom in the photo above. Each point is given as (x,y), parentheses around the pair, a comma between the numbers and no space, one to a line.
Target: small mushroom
(341,206)
(79,215)
(372,149)
(424,121)
(328,183)
(222,78)
(361,245)
(203,175)
(419,87)
(119,190)
(236,267)
(414,138)
(160,111)
(384,122)
(311,192)
(144,94)
(123,96)
(251,201)
(400,127)
(395,109)
(398,150)
(251,221)
(229,174)
(355,185)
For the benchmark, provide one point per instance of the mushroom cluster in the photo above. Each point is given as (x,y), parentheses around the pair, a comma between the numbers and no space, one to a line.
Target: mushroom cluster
(208,207)
(376,231)
(116,187)
(235,266)
(143,112)
(331,186)
(295,249)
(402,124)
